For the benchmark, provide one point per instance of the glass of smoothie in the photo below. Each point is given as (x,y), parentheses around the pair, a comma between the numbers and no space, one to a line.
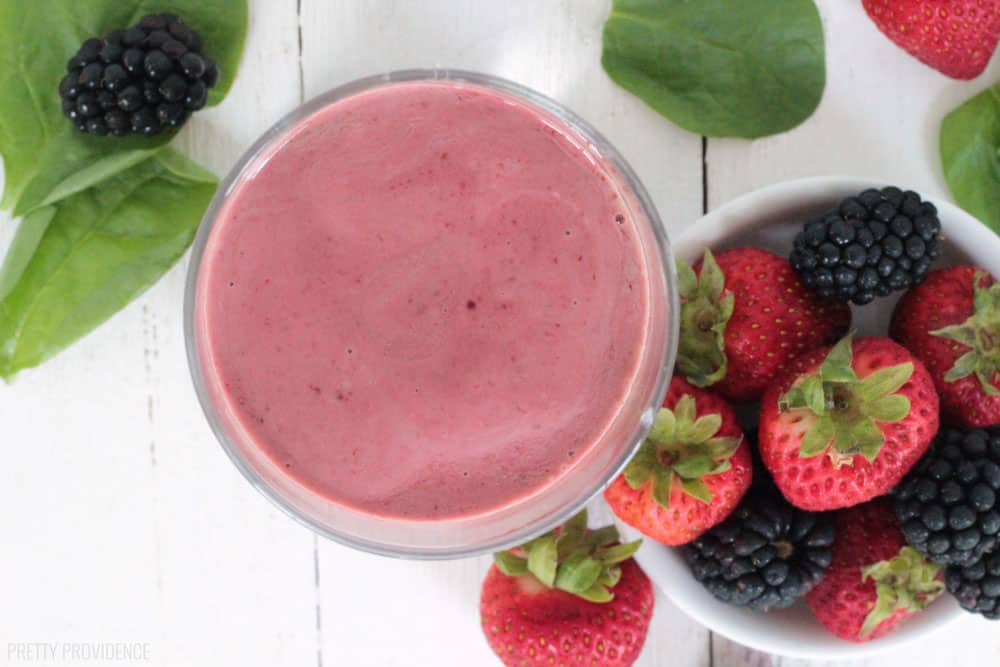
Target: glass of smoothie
(431,313)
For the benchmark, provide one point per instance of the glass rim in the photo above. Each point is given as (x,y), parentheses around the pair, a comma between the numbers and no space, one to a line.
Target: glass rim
(595,139)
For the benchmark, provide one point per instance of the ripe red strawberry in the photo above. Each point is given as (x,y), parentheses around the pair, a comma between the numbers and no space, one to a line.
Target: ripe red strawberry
(876,580)
(955,37)
(744,315)
(951,322)
(571,597)
(847,422)
(689,474)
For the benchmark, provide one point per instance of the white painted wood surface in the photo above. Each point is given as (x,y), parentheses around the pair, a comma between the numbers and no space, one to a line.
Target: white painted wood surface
(123,521)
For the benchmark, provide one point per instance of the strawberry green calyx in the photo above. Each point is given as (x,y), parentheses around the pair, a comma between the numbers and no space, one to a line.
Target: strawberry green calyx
(572,559)
(684,446)
(705,310)
(908,581)
(847,409)
(981,332)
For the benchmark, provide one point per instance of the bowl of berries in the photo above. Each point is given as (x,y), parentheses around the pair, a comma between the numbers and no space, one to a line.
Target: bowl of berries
(823,480)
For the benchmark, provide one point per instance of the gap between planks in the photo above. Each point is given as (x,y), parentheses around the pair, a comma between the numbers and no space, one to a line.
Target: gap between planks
(704,211)
(315,541)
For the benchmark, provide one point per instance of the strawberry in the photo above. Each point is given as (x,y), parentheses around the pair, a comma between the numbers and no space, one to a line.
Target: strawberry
(847,422)
(570,597)
(744,315)
(876,580)
(955,37)
(689,474)
(952,324)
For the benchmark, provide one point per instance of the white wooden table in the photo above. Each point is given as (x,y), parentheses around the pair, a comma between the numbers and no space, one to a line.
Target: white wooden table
(123,521)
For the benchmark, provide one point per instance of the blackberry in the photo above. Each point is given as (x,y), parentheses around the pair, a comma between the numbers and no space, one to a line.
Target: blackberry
(145,121)
(949,504)
(157,38)
(87,105)
(876,243)
(192,64)
(766,555)
(107,100)
(197,95)
(133,60)
(174,49)
(97,126)
(174,88)
(158,64)
(171,115)
(141,80)
(130,99)
(977,586)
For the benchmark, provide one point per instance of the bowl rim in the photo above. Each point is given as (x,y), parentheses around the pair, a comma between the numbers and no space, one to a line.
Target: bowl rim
(662,250)
(706,231)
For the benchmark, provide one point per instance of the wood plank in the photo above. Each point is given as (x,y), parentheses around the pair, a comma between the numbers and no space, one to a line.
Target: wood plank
(237,574)
(553,47)
(125,520)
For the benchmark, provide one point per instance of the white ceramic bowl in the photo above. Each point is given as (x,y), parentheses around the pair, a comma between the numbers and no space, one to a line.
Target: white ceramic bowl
(769,219)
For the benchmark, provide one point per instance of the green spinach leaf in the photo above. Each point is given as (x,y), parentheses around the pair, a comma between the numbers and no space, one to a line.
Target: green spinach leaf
(40,148)
(722,68)
(970,155)
(22,248)
(101,248)
(101,169)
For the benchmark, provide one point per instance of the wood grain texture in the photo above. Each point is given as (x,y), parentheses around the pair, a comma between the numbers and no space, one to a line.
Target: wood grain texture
(124,521)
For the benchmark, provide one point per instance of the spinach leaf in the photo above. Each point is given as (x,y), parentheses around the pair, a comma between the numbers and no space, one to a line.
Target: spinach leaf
(970,155)
(22,248)
(101,169)
(41,149)
(722,68)
(102,247)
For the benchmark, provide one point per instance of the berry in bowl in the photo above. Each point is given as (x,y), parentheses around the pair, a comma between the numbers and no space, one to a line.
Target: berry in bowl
(823,480)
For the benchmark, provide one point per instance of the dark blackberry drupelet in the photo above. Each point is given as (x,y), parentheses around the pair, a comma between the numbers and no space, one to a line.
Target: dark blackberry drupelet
(766,555)
(876,243)
(948,504)
(977,586)
(142,80)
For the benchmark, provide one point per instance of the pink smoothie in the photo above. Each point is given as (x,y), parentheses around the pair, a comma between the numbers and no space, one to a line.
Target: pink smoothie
(425,301)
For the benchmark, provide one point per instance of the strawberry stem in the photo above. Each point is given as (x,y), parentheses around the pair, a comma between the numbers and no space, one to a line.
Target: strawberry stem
(980,333)
(705,311)
(846,409)
(682,448)
(907,581)
(571,558)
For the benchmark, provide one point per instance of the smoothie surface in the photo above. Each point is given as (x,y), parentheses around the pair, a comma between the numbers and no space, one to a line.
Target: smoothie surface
(425,300)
